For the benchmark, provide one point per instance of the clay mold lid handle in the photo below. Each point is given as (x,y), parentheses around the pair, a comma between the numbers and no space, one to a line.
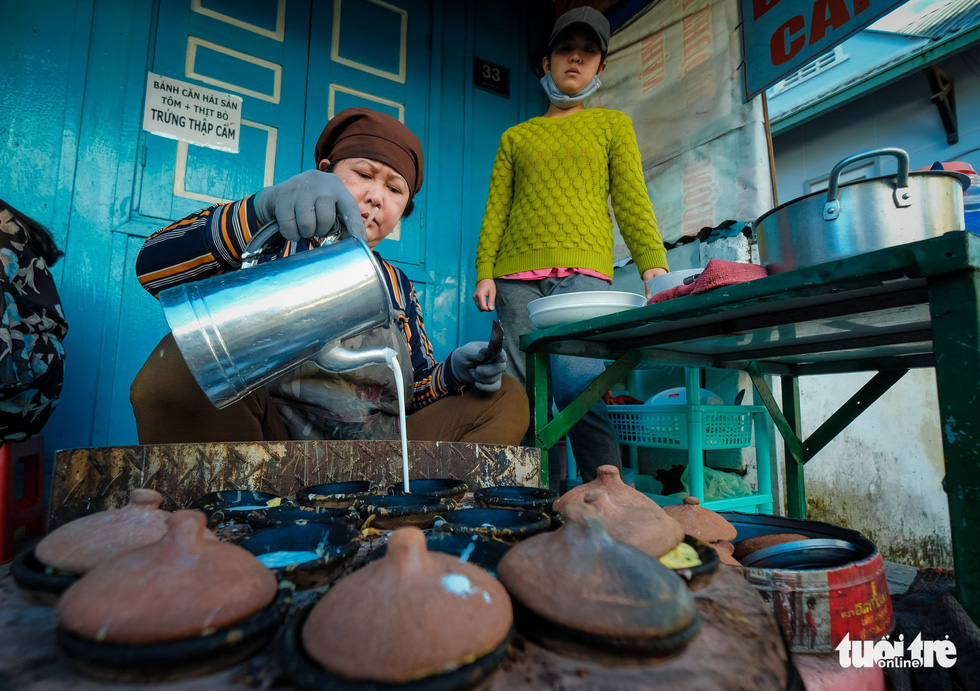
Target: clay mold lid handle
(700,522)
(649,529)
(581,578)
(186,584)
(83,544)
(410,615)
(608,479)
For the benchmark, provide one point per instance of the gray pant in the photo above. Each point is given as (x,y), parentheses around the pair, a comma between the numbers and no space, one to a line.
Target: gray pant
(592,438)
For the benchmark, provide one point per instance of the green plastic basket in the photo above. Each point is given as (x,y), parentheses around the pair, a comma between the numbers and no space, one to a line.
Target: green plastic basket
(665,427)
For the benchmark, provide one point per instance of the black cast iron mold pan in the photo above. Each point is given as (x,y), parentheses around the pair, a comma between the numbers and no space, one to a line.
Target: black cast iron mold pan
(37,586)
(390,511)
(503,524)
(172,660)
(226,506)
(480,550)
(699,576)
(443,488)
(335,541)
(333,494)
(515,497)
(615,650)
(276,516)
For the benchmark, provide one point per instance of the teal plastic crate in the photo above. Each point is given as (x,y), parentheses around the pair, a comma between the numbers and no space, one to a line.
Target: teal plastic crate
(666,427)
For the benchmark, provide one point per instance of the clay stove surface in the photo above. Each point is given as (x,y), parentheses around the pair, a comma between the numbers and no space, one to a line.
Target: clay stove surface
(89,480)
(738,647)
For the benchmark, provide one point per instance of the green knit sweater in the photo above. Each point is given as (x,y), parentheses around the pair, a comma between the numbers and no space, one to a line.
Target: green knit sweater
(547,206)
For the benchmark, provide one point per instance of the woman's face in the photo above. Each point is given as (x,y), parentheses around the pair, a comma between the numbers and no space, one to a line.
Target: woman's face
(374,185)
(575,60)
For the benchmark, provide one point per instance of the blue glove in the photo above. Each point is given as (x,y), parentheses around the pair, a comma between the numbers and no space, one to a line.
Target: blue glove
(468,364)
(310,204)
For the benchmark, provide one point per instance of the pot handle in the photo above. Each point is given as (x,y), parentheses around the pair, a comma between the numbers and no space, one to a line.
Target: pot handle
(255,246)
(902,194)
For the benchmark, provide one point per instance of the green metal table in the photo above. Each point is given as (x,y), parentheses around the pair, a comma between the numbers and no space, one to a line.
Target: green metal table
(916,305)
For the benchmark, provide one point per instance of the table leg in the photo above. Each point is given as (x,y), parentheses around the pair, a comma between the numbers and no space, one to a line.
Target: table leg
(536,372)
(954,302)
(763,463)
(795,482)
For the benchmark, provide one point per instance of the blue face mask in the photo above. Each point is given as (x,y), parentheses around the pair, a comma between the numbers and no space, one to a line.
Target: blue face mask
(566,101)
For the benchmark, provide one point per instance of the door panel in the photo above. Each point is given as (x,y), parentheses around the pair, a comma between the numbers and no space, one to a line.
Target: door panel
(378,57)
(256,50)
(122,358)
(259,51)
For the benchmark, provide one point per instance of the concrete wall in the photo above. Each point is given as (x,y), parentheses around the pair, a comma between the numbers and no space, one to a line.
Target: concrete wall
(883,475)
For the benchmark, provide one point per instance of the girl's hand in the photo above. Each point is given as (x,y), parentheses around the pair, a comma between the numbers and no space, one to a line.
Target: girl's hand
(485,295)
(647,275)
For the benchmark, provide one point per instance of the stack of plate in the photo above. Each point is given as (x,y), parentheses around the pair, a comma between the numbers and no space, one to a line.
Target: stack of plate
(570,307)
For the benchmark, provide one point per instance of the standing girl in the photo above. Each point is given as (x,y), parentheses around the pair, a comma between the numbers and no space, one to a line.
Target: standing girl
(547,230)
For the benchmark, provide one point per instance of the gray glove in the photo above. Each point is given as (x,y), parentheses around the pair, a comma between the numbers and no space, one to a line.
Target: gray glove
(469,366)
(309,204)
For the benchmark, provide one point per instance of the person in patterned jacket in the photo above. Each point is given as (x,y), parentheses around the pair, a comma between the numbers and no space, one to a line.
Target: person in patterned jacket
(369,168)
(32,327)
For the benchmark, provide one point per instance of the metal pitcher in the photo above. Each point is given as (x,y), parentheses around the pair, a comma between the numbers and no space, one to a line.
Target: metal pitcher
(242,329)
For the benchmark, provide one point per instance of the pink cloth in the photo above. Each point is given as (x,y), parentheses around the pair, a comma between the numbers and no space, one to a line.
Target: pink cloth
(622,399)
(557,272)
(716,274)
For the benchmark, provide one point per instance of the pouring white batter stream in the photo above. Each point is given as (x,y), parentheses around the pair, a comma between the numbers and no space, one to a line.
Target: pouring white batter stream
(392,359)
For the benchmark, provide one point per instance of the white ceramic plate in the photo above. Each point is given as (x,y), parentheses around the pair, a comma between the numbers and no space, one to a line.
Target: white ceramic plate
(571,307)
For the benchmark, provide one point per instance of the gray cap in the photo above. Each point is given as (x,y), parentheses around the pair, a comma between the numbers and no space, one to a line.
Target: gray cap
(591,18)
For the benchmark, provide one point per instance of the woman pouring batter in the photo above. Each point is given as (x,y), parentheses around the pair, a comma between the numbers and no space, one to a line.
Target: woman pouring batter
(369,169)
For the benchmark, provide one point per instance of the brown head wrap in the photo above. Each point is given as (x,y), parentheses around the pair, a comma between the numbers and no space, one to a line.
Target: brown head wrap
(365,133)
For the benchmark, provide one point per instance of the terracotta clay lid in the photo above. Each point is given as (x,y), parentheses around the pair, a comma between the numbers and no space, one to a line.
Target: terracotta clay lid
(83,544)
(184,585)
(647,528)
(608,479)
(751,544)
(725,550)
(409,615)
(700,522)
(582,579)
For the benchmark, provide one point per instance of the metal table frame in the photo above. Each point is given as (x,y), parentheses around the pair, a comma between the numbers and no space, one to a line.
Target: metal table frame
(916,305)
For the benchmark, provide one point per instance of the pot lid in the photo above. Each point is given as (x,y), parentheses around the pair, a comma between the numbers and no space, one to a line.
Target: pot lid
(412,614)
(83,544)
(608,479)
(700,522)
(582,579)
(752,544)
(649,529)
(725,552)
(186,584)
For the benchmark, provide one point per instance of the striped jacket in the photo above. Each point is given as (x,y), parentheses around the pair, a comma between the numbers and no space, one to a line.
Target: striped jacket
(211,242)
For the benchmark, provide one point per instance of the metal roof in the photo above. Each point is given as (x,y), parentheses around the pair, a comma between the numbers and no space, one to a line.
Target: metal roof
(955,16)
(948,29)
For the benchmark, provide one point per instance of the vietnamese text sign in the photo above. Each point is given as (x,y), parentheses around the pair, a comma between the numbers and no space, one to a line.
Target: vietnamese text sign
(780,36)
(191,113)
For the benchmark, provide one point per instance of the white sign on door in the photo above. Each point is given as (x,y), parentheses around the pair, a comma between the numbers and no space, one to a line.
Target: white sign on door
(190,113)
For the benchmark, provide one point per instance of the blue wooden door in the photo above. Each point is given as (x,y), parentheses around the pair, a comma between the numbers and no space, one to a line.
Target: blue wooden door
(377,57)
(294,66)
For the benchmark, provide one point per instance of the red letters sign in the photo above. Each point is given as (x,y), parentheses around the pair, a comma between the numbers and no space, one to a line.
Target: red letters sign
(780,36)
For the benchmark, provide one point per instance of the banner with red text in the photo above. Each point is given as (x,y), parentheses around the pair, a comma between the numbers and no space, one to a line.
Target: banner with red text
(780,36)
(675,71)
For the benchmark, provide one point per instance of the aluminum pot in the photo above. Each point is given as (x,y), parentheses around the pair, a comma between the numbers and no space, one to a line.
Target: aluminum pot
(242,329)
(861,216)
